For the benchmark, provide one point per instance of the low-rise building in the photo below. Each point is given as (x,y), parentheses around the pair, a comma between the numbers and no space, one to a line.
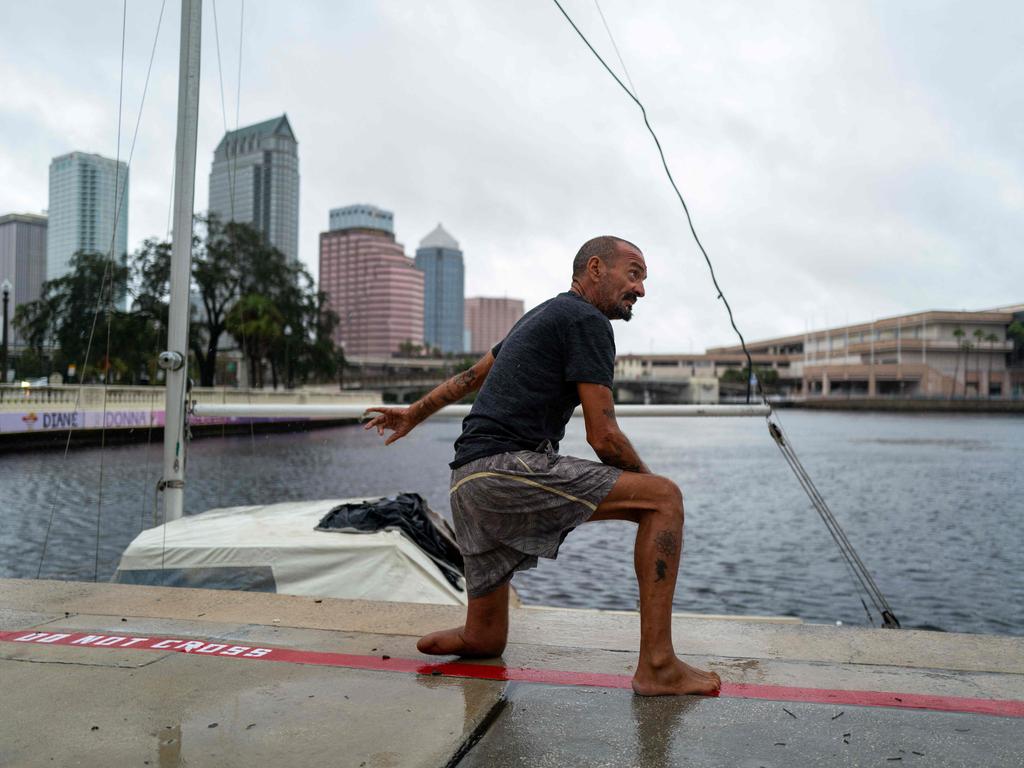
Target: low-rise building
(938,353)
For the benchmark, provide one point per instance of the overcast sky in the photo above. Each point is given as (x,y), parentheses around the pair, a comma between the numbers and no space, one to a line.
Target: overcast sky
(842,161)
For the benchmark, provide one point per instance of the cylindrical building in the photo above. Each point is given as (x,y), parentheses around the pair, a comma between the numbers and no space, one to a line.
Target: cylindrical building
(373,286)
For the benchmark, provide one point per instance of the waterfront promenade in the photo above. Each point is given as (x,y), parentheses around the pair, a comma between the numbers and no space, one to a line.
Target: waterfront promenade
(103,674)
(43,415)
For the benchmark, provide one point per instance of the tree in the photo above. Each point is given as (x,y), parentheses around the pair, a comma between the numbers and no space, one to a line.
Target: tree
(221,257)
(409,348)
(232,265)
(767,376)
(257,325)
(1016,332)
(991,338)
(80,317)
(312,353)
(958,333)
(979,336)
(232,261)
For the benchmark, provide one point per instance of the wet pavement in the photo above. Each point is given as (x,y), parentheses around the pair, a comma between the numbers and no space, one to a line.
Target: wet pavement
(549,727)
(101,674)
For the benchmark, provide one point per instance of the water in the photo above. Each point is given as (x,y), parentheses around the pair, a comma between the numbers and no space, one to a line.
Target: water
(933,503)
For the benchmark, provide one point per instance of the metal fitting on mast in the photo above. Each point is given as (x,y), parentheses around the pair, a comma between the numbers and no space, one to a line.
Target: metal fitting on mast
(170,361)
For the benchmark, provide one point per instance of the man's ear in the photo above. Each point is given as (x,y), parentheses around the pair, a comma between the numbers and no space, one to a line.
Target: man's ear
(595,266)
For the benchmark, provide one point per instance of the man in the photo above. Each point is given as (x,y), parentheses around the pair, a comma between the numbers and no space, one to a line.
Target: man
(514,499)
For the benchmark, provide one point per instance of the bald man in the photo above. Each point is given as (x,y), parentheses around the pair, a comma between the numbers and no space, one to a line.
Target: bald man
(514,498)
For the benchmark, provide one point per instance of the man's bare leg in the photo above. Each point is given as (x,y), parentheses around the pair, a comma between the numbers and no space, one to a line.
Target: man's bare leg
(656,504)
(484,633)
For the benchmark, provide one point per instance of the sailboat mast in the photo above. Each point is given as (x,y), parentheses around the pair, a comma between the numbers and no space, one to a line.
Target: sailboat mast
(175,359)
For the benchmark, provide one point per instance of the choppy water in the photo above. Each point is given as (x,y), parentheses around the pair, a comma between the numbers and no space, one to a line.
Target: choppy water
(933,503)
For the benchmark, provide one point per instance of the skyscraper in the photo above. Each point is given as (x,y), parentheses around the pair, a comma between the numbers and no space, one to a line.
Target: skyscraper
(440,261)
(255,180)
(488,320)
(88,193)
(370,283)
(22,261)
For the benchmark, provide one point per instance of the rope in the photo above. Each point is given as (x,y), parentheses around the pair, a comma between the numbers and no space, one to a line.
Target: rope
(861,577)
(672,181)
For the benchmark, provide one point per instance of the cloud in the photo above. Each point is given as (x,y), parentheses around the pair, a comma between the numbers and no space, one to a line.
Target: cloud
(840,160)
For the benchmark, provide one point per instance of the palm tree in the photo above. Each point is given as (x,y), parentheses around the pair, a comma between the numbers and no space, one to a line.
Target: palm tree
(256,323)
(1016,332)
(980,336)
(958,332)
(991,338)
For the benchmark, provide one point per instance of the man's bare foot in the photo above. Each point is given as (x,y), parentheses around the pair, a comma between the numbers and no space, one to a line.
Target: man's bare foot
(453,642)
(673,679)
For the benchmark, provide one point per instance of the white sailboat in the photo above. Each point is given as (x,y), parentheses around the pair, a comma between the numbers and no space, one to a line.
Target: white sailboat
(273,547)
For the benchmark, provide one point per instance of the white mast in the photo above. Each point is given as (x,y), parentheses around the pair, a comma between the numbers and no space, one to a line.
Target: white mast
(174,359)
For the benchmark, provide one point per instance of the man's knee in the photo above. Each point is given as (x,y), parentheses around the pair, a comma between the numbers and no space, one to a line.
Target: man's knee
(669,497)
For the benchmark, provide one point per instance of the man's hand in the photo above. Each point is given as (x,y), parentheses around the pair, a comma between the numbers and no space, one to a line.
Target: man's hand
(398,419)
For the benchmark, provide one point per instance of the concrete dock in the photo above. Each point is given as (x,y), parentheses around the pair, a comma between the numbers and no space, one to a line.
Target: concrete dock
(114,675)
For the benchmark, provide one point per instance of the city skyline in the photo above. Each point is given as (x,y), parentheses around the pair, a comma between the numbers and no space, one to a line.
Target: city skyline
(837,158)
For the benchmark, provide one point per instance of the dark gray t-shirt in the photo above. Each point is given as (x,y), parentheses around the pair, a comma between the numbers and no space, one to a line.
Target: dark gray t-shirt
(530,392)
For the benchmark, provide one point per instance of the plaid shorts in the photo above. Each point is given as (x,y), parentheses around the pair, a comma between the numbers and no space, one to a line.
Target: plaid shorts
(513,508)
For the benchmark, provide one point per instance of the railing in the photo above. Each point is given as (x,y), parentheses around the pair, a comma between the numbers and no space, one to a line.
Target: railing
(90,397)
(354,411)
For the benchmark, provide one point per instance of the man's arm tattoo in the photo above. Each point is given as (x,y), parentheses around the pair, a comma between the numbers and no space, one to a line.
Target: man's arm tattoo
(622,455)
(448,392)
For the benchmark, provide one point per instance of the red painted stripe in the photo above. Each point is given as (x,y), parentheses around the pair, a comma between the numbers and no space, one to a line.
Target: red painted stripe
(998,707)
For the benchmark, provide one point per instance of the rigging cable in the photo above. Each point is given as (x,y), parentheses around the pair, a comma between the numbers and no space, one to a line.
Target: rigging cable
(108,269)
(232,175)
(611,37)
(862,578)
(672,181)
(100,300)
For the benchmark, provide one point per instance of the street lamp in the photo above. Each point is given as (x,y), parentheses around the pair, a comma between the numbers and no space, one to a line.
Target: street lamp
(3,350)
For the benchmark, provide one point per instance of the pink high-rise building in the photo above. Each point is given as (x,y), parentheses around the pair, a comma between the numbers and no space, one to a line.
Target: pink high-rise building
(489,320)
(370,282)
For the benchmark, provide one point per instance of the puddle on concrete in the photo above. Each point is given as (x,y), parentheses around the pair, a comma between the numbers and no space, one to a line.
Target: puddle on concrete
(306,721)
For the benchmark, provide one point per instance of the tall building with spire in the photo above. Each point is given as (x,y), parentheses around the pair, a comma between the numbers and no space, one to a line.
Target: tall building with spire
(370,283)
(255,180)
(440,261)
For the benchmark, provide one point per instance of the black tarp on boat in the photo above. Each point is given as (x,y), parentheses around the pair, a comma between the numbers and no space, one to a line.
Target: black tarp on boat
(408,513)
